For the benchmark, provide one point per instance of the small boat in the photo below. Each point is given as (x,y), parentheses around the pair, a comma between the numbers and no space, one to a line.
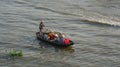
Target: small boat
(54,43)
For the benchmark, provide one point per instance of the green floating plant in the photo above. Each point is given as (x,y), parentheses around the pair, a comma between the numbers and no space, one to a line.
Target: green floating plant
(14,52)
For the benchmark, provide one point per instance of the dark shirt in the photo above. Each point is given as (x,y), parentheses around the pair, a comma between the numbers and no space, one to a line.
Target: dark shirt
(41,25)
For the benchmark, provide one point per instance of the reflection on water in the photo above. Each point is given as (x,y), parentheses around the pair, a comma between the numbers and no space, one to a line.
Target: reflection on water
(69,49)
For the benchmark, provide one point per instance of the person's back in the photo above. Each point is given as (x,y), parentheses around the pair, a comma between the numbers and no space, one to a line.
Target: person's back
(51,35)
(61,40)
(45,36)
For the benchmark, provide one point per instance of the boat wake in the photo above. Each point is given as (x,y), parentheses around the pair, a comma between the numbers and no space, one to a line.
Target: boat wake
(108,21)
(96,17)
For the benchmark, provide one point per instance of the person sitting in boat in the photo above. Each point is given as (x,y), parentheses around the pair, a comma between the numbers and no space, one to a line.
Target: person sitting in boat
(51,35)
(45,36)
(66,41)
(61,38)
(56,37)
(41,25)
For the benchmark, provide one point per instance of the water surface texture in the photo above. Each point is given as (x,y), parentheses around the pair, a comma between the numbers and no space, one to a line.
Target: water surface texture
(94,26)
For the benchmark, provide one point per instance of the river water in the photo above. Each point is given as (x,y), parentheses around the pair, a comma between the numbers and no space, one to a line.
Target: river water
(93,25)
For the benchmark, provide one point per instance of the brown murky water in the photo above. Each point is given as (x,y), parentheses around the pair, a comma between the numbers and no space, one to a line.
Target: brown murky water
(96,44)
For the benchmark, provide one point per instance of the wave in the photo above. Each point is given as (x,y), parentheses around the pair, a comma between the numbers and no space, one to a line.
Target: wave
(87,16)
(73,10)
(102,21)
(55,11)
(97,17)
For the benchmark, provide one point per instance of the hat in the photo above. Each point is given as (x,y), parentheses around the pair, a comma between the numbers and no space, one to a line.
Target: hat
(63,35)
(56,35)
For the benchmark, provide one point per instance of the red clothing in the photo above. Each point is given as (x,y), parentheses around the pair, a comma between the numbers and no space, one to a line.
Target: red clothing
(66,41)
(51,35)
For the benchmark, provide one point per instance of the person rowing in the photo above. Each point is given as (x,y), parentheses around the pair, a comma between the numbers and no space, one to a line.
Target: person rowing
(41,25)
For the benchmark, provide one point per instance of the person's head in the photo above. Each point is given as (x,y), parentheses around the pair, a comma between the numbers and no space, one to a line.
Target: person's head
(61,35)
(41,22)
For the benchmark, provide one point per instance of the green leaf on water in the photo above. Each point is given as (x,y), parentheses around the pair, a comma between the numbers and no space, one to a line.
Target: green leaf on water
(14,52)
